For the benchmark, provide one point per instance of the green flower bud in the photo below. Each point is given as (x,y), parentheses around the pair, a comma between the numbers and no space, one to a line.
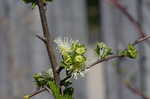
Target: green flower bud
(39,79)
(80,59)
(37,75)
(102,50)
(80,50)
(68,60)
(132,52)
(75,45)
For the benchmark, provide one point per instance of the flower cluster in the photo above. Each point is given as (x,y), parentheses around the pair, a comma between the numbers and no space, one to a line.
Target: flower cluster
(130,52)
(102,50)
(42,79)
(46,79)
(73,56)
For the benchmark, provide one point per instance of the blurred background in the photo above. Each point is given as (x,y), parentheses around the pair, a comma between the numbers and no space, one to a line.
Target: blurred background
(89,21)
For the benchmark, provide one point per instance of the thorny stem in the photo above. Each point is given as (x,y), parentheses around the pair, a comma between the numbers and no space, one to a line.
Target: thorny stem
(48,44)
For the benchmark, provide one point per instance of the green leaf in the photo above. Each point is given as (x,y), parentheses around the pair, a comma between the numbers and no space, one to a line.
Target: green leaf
(55,89)
(40,81)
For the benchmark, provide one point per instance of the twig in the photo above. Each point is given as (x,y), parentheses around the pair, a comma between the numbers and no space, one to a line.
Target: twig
(117,56)
(102,60)
(135,90)
(40,91)
(41,38)
(37,92)
(141,39)
(127,14)
(49,44)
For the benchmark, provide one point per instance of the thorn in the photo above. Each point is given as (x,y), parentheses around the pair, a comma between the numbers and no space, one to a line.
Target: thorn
(41,38)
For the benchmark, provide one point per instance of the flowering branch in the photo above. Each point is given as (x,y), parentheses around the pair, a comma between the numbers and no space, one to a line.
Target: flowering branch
(73,57)
(128,85)
(117,56)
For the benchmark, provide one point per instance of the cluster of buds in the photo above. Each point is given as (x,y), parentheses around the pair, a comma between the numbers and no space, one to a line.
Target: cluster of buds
(42,79)
(130,52)
(73,56)
(102,50)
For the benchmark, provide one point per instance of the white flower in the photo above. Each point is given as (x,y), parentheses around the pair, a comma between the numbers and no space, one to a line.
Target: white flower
(63,45)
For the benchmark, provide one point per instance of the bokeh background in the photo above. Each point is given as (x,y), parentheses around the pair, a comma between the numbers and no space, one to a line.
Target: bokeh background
(89,21)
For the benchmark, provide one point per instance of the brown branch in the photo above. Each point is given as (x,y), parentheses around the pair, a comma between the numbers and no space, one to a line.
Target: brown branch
(117,56)
(141,39)
(41,38)
(47,36)
(37,92)
(128,15)
(135,90)
(102,60)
